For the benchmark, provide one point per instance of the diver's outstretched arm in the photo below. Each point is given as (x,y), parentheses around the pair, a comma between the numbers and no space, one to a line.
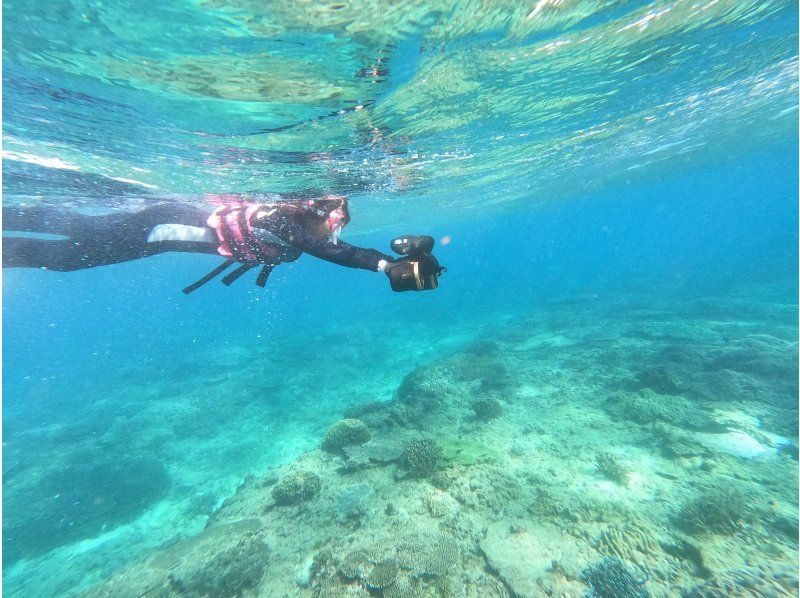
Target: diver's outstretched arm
(338,253)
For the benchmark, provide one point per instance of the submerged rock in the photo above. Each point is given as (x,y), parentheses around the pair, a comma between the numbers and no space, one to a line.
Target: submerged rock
(523,559)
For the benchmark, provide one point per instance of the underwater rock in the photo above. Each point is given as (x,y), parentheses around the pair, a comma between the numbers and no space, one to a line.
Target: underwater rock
(490,488)
(357,411)
(386,451)
(487,408)
(296,487)
(729,385)
(732,442)
(523,559)
(345,432)
(77,501)
(721,508)
(611,468)
(350,505)
(610,578)
(421,457)
(230,572)
(647,407)
(763,581)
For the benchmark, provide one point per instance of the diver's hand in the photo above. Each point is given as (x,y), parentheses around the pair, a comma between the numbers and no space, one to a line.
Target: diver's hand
(413,275)
(394,266)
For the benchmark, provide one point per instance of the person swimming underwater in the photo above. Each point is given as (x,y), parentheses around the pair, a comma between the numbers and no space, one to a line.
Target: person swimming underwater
(251,234)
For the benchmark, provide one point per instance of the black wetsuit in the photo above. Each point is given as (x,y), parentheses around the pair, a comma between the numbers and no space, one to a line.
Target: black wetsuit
(110,239)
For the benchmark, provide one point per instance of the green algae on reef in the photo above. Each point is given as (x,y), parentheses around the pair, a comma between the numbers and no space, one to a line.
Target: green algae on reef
(617,464)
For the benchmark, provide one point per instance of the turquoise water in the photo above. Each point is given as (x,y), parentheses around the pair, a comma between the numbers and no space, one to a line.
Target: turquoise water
(619,184)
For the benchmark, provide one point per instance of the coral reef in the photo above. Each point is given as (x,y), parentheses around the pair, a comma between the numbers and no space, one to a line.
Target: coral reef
(345,432)
(296,487)
(426,389)
(421,457)
(647,407)
(610,578)
(229,572)
(487,408)
(721,508)
(627,542)
(764,581)
(517,508)
(401,560)
(611,468)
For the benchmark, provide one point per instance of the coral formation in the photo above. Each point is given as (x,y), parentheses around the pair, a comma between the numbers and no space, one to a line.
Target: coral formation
(610,578)
(659,379)
(388,561)
(426,389)
(421,457)
(487,408)
(230,572)
(428,553)
(610,467)
(296,487)
(345,432)
(516,507)
(763,581)
(721,508)
(627,542)
(487,487)
(382,575)
(647,407)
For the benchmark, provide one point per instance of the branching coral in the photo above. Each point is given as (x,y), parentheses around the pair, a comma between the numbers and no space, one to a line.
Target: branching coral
(718,509)
(610,578)
(610,467)
(421,457)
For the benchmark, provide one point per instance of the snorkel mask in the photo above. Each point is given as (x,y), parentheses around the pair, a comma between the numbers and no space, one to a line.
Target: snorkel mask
(333,209)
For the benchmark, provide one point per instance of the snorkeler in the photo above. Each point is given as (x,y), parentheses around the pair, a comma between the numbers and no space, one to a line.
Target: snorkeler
(250,234)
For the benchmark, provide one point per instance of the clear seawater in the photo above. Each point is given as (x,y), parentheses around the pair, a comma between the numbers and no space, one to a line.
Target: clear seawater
(624,160)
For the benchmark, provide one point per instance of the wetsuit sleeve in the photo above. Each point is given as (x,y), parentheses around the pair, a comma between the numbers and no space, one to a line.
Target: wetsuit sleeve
(340,253)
